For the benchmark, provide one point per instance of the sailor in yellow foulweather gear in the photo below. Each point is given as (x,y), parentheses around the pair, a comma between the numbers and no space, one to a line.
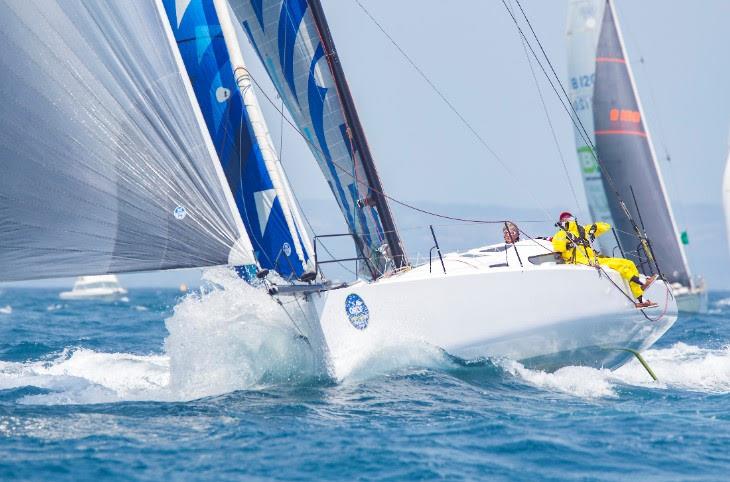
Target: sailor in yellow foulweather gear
(573,242)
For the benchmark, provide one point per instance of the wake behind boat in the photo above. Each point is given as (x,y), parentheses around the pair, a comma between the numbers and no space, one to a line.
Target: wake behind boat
(95,287)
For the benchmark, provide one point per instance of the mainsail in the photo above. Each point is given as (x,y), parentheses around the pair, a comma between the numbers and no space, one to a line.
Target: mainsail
(625,151)
(294,43)
(584,23)
(106,163)
(253,172)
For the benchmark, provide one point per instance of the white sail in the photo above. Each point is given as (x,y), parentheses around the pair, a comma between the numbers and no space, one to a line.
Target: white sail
(107,166)
(233,35)
(584,25)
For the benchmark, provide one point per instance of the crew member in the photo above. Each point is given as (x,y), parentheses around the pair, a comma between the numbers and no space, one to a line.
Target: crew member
(573,242)
(511,232)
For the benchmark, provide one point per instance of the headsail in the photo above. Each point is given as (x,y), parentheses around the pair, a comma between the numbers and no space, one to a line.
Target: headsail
(107,166)
(584,25)
(294,43)
(251,167)
(625,150)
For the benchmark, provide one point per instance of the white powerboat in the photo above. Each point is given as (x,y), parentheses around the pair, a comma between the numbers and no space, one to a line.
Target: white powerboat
(92,287)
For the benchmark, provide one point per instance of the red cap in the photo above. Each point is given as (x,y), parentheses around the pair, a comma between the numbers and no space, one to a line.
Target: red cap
(564,215)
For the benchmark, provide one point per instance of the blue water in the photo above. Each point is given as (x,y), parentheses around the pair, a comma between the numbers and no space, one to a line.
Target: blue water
(91,390)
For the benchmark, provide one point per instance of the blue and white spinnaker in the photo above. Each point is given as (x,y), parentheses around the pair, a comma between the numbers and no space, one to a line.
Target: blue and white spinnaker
(240,136)
(294,44)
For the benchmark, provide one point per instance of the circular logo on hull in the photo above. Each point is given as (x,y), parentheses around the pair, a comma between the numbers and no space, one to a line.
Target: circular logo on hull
(357,311)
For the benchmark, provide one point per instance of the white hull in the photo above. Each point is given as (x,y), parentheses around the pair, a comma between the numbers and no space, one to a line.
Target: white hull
(93,294)
(547,316)
(694,301)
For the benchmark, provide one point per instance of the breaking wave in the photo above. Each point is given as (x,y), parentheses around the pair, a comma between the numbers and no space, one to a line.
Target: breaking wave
(230,336)
(681,367)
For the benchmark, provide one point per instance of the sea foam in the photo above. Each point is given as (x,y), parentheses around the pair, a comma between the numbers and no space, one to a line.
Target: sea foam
(230,336)
(681,366)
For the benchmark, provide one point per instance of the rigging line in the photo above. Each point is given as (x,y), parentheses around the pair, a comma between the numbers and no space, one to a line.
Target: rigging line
(433,87)
(576,120)
(552,69)
(291,318)
(304,213)
(571,112)
(574,115)
(369,168)
(347,172)
(294,194)
(550,123)
(445,99)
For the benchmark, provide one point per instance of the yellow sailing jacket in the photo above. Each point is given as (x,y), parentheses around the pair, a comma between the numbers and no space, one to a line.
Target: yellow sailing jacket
(574,245)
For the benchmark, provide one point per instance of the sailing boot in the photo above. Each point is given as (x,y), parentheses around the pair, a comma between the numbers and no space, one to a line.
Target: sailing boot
(641,303)
(648,282)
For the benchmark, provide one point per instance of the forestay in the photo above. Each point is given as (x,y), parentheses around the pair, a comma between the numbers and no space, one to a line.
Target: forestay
(584,25)
(294,49)
(254,180)
(625,150)
(106,164)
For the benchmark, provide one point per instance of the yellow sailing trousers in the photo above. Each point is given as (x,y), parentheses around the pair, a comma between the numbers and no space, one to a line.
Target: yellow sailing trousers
(627,269)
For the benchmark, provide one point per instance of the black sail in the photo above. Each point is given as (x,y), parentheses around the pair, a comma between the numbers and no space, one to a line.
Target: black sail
(624,149)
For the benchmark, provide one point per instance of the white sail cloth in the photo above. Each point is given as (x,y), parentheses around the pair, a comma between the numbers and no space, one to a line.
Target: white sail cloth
(584,26)
(104,165)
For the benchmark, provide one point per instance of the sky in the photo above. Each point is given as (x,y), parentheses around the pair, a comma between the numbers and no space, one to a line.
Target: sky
(472,52)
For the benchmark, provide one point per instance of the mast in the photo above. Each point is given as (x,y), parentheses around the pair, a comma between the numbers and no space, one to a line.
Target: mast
(357,136)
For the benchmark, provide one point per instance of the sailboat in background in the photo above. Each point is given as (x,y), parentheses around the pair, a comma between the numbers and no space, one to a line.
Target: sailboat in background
(155,155)
(605,98)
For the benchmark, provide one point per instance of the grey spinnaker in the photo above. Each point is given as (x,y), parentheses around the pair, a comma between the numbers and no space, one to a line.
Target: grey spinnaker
(625,152)
(106,166)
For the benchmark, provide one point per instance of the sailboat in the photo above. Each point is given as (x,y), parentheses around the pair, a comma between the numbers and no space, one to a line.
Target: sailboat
(611,119)
(154,155)
(104,286)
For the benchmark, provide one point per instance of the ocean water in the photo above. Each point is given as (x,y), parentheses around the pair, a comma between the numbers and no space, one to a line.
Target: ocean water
(218,386)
